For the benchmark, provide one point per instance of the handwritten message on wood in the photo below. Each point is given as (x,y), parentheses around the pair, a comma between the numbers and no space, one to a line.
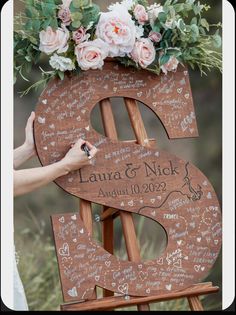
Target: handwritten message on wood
(130,177)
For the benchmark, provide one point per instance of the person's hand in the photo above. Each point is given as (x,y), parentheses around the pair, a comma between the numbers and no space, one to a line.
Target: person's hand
(29,138)
(75,158)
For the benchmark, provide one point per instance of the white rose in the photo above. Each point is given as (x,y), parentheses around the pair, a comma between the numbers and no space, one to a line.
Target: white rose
(61,63)
(127,4)
(117,29)
(51,40)
(91,55)
(140,14)
(153,12)
(144,52)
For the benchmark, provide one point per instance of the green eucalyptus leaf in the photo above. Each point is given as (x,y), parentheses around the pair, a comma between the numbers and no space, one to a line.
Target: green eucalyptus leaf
(77,3)
(194,30)
(205,24)
(54,23)
(164,59)
(181,25)
(162,17)
(60,74)
(36,25)
(217,41)
(76,16)
(76,24)
(194,20)
(90,14)
(179,7)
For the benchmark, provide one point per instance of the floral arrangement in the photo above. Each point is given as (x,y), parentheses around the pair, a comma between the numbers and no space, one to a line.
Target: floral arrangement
(76,36)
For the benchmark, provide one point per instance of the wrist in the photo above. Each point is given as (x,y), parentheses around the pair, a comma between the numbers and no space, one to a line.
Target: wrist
(63,167)
(28,149)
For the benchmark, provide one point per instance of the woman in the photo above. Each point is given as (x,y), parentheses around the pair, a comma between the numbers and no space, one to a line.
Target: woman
(27,180)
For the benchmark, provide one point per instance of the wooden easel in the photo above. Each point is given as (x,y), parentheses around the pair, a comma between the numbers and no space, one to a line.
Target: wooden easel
(109,302)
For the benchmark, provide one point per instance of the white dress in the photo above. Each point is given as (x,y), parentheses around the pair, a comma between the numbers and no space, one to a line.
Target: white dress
(20,302)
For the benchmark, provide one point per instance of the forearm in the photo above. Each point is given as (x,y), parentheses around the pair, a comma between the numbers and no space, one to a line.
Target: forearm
(30,179)
(21,155)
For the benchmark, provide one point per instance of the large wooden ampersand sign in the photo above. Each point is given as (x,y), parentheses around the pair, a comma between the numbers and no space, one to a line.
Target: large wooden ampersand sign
(130,177)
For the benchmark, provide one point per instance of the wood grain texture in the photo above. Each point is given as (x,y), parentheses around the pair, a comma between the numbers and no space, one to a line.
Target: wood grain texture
(120,301)
(132,178)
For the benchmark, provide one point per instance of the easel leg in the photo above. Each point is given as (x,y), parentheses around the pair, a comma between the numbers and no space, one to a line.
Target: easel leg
(86,216)
(195,303)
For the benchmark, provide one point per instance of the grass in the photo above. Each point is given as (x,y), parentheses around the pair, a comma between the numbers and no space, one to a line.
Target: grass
(39,271)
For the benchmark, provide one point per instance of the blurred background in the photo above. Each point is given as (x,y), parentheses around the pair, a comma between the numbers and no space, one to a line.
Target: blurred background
(33,232)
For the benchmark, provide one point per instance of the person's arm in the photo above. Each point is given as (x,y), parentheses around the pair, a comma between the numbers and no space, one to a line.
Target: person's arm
(27,149)
(28,180)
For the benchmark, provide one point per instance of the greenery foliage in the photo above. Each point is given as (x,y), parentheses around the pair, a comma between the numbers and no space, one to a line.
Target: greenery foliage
(191,38)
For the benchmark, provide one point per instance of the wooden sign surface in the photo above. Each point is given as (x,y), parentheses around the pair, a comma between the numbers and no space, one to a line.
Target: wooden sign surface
(130,177)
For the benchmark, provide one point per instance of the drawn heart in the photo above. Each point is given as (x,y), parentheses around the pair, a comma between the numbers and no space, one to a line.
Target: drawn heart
(197,268)
(159,197)
(160,261)
(78,118)
(108,263)
(62,219)
(81,231)
(114,89)
(153,213)
(202,268)
(83,111)
(131,203)
(154,104)
(152,200)
(70,180)
(74,240)
(44,101)
(139,94)
(52,126)
(87,128)
(122,204)
(143,275)
(45,148)
(72,292)
(215,214)
(157,154)
(73,217)
(216,241)
(185,73)
(179,242)
(53,143)
(191,130)
(123,288)
(204,183)
(141,201)
(148,291)
(180,90)
(199,239)
(186,257)
(168,287)
(64,250)
(41,120)
(105,87)
(209,196)
(187,96)
(178,263)
(97,278)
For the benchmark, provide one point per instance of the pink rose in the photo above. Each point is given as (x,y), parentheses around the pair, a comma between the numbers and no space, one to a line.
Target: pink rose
(80,36)
(91,55)
(117,29)
(144,52)
(171,65)
(140,14)
(51,40)
(64,15)
(155,36)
